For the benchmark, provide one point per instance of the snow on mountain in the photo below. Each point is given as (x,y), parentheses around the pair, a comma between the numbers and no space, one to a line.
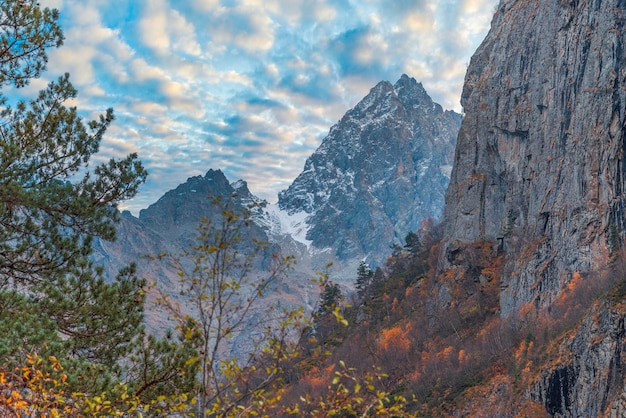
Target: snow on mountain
(280,222)
(382,169)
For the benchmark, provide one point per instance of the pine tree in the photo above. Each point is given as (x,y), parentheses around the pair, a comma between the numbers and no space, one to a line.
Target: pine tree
(412,242)
(613,241)
(48,214)
(329,298)
(53,300)
(363,278)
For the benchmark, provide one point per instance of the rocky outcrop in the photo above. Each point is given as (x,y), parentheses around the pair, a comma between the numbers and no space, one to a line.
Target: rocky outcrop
(381,170)
(590,382)
(539,166)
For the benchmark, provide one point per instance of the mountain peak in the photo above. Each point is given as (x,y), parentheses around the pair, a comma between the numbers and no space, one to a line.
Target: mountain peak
(240,186)
(380,171)
(175,205)
(214,175)
(409,84)
(377,95)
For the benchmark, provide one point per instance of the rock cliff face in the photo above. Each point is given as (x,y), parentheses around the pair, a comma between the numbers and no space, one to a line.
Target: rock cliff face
(591,382)
(539,171)
(380,171)
(539,166)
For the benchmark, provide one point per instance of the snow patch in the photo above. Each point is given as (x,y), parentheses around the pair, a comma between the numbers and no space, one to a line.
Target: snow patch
(282,223)
(238,184)
(317,251)
(422,167)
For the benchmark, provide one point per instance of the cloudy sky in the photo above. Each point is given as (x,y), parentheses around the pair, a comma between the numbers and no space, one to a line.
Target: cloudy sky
(250,86)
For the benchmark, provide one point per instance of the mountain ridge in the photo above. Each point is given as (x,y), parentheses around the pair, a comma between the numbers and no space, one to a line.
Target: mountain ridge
(395,144)
(401,111)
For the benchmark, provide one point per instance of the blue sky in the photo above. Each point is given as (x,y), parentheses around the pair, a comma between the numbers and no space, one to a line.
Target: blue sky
(250,87)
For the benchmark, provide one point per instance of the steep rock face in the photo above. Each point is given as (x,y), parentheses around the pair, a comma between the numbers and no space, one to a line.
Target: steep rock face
(539,165)
(380,171)
(591,383)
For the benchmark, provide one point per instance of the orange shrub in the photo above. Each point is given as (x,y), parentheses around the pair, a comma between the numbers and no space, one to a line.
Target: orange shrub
(395,340)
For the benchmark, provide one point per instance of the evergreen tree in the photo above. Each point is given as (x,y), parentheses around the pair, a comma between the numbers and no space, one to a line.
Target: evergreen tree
(51,204)
(614,241)
(329,298)
(49,213)
(412,242)
(47,221)
(25,33)
(53,300)
(363,278)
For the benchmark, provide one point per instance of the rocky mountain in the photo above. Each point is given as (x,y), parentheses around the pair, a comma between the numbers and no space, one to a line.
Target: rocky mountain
(170,226)
(382,169)
(539,172)
(574,387)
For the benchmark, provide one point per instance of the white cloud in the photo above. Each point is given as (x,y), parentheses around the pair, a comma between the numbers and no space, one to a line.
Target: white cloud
(374,48)
(419,23)
(247,27)
(153,33)
(166,30)
(143,71)
(183,34)
(205,5)
(250,86)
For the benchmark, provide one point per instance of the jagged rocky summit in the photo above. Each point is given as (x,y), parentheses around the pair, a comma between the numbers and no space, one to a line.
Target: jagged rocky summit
(178,212)
(539,165)
(382,169)
(170,225)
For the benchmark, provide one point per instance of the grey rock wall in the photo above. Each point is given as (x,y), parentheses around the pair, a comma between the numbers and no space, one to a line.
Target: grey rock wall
(590,382)
(539,163)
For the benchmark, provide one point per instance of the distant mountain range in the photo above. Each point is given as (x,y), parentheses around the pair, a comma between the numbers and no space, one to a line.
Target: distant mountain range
(382,169)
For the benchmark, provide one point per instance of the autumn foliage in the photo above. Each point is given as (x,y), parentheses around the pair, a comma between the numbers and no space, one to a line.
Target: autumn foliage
(440,339)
